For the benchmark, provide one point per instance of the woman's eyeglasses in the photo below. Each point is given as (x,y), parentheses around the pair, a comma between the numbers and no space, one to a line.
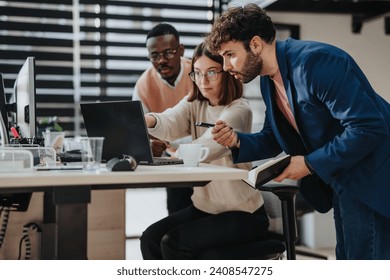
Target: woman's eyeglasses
(167,54)
(211,75)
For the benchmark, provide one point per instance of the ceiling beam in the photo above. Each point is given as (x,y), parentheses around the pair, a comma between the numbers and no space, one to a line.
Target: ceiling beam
(387,25)
(366,8)
(361,11)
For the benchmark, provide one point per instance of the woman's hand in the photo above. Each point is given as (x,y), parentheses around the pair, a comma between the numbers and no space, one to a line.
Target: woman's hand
(158,147)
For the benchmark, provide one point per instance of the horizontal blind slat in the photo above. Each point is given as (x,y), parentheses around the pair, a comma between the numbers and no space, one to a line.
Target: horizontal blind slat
(36,41)
(38,12)
(142,4)
(39,55)
(10,25)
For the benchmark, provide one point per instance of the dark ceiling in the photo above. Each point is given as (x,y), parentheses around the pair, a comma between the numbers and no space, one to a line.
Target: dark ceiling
(360,10)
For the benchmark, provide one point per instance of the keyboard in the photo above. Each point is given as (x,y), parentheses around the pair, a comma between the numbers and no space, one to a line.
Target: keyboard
(166,161)
(70,156)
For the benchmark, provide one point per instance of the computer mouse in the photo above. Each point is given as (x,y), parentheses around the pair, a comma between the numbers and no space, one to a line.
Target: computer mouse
(126,164)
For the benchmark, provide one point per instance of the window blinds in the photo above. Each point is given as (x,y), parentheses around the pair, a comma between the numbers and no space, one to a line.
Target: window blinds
(88,49)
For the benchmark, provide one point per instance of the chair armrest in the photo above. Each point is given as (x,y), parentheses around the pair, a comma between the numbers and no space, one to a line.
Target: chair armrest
(284,192)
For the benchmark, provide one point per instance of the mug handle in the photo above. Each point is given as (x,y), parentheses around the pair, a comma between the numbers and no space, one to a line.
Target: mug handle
(206,151)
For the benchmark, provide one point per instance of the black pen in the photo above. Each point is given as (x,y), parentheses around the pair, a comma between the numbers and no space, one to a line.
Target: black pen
(204,124)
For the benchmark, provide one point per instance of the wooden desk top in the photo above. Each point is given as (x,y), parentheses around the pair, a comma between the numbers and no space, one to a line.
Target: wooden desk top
(142,175)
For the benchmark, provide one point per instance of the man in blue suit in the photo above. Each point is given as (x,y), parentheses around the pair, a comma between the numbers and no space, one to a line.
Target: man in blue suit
(321,109)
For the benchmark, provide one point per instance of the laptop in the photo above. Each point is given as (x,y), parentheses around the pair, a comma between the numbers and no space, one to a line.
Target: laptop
(122,124)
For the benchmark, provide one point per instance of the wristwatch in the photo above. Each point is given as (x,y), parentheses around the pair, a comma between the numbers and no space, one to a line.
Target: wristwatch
(311,170)
(237,145)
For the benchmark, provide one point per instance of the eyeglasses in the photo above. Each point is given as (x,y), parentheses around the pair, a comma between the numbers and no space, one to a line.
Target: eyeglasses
(211,75)
(168,54)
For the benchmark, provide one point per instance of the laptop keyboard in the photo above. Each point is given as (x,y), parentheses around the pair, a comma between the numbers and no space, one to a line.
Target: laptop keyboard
(166,160)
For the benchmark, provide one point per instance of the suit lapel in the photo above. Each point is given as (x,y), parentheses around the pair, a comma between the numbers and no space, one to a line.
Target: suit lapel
(288,138)
(286,135)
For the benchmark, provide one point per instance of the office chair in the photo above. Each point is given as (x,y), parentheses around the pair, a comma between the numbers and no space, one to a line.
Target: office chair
(279,202)
(290,200)
(290,234)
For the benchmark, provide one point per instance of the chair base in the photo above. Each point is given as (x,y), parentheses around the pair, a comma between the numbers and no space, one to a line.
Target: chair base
(310,254)
(267,249)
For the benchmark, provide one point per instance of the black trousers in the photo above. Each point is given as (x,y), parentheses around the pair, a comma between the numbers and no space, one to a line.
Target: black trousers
(178,199)
(194,234)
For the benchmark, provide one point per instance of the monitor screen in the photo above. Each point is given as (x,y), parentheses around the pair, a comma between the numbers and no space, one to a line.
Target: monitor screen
(17,201)
(24,98)
(4,127)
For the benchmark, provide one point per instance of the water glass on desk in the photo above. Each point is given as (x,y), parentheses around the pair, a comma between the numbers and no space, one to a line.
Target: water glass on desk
(91,153)
(55,140)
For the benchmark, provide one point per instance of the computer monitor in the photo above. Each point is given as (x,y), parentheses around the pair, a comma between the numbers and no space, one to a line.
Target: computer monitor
(16,201)
(23,96)
(4,126)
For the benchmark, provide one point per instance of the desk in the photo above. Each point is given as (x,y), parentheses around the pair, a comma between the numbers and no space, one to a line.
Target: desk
(67,194)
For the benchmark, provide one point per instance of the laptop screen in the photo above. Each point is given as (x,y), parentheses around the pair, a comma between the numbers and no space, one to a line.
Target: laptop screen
(122,124)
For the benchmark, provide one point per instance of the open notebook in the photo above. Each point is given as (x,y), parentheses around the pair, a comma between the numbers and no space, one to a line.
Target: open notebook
(122,124)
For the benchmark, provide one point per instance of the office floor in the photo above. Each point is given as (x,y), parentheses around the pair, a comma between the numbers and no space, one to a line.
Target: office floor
(145,206)
(326,251)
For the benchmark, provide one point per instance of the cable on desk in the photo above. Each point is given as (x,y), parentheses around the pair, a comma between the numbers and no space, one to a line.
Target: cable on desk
(4,223)
(26,239)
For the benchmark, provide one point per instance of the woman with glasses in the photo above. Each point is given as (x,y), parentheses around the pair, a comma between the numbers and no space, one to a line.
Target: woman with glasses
(224,213)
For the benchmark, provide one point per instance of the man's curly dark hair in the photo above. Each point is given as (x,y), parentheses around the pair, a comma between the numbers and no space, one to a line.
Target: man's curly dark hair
(240,24)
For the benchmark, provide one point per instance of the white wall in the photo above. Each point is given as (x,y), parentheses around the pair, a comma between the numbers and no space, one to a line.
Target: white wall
(370,48)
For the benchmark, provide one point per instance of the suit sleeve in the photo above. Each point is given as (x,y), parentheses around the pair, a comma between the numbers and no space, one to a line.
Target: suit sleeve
(257,146)
(343,88)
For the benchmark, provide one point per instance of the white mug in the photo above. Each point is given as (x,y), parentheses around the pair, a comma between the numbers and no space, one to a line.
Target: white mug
(192,154)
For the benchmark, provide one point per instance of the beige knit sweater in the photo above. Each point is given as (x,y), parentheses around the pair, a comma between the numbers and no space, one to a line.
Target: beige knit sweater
(179,121)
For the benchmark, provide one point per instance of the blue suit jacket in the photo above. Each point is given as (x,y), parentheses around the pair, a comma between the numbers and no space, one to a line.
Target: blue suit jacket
(344,126)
